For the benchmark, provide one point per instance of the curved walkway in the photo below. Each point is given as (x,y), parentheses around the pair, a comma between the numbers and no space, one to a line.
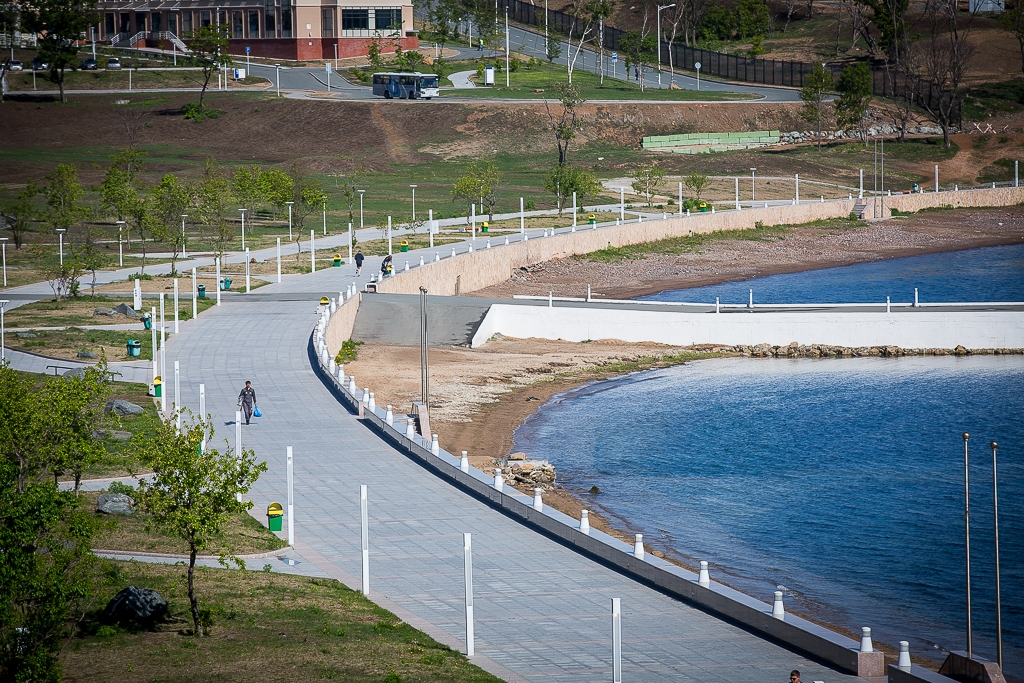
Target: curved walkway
(542,609)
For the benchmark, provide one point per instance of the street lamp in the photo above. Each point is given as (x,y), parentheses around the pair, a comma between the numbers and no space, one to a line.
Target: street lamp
(289,220)
(3,304)
(243,228)
(278,67)
(752,183)
(360,208)
(3,242)
(413,202)
(967,543)
(507,82)
(183,217)
(60,236)
(660,7)
(995,518)
(120,250)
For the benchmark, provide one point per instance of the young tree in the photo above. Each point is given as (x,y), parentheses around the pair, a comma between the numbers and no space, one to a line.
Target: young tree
(752,18)
(564,180)
(59,25)
(444,17)
(583,25)
(63,194)
(308,195)
(564,126)
(212,198)
(647,179)
(697,182)
(72,411)
(192,492)
(208,49)
(18,213)
(170,200)
(1012,20)
(601,10)
(854,88)
(276,187)
(945,55)
(817,85)
(480,181)
(119,192)
(638,50)
(553,48)
(249,189)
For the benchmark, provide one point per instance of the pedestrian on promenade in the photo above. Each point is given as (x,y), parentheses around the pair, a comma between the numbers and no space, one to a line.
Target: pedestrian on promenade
(247,400)
(794,676)
(359,262)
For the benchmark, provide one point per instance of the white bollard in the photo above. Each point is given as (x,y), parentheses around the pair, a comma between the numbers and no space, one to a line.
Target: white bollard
(822,199)
(488,244)
(887,307)
(778,611)
(175,305)
(410,429)
(718,306)
(687,213)
(865,639)
(616,641)
(499,483)
(421,260)
(366,396)
(506,240)
(585,522)
(464,462)
(202,414)
(750,302)
(526,237)
(364,534)
(549,299)
(470,248)
(704,577)
(372,404)
(291,499)
(332,367)
(437,256)
(904,661)
(453,252)
(389,416)
(712,209)
(588,293)
(538,503)
(467,554)
(435,447)
(341,373)
(915,298)
(352,386)
(638,547)
(334,305)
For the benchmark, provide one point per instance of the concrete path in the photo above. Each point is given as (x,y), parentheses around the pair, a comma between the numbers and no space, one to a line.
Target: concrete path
(135,372)
(542,609)
(460,80)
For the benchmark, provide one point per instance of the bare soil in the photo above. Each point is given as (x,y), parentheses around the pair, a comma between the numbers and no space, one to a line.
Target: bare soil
(787,251)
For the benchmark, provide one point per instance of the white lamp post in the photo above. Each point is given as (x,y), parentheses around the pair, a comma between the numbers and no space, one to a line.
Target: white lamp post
(3,304)
(243,228)
(752,183)
(3,243)
(413,201)
(325,216)
(360,208)
(658,13)
(183,217)
(278,67)
(289,220)
(120,250)
(60,237)
(507,81)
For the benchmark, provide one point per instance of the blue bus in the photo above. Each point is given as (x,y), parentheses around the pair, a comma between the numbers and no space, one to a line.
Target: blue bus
(405,86)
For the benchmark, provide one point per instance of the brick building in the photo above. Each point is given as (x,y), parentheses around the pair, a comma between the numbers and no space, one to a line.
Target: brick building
(280,29)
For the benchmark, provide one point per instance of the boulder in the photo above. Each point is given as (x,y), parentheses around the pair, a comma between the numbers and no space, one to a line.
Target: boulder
(517,456)
(122,408)
(25,335)
(87,354)
(76,372)
(125,309)
(114,504)
(103,310)
(135,606)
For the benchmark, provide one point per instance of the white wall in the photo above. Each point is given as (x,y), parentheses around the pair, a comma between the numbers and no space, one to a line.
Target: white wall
(916,329)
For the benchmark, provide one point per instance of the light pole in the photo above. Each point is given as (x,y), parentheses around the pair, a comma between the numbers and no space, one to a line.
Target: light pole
(506,48)
(183,217)
(278,67)
(995,519)
(967,544)
(60,237)
(289,220)
(120,250)
(413,202)
(3,304)
(752,183)
(658,14)
(243,228)
(424,374)
(360,208)
(3,244)
(325,215)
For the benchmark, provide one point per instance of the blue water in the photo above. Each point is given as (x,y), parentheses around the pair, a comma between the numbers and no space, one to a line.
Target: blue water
(839,480)
(989,274)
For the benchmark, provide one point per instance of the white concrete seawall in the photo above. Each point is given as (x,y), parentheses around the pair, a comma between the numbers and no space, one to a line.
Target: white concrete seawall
(908,329)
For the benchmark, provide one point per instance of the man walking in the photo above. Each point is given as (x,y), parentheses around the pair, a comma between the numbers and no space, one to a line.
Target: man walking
(247,400)
(359,262)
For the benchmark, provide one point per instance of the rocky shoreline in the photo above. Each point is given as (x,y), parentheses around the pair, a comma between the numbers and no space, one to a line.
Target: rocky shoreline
(795,350)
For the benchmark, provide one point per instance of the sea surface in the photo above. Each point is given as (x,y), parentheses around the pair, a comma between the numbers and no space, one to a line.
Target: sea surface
(838,481)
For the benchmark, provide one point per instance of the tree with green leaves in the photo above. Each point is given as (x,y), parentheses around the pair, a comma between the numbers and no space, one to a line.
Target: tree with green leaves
(208,50)
(564,180)
(564,126)
(212,198)
(553,47)
(638,50)
(59,25)
(1012,20)
(480,181)
(119,191)
(192,492)
(646,180)
(484,16)
(170,200)
(249,189)
(444,17)
(308,195)
(19,212)
(697,182)
(817,86)
(855,94)
(276,186)
(752,18)
(63,193)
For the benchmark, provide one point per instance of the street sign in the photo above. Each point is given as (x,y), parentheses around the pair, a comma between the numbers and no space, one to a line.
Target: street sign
(615,56)
(697,65)
(246,49)
(327,67)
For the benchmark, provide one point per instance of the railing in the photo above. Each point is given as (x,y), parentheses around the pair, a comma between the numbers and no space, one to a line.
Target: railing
(120,41)
(175,40)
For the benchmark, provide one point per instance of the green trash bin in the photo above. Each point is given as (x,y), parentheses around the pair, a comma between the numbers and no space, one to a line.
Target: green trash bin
(275,513)
(158,387)
(202,291)
(134,348)
(486,227)
(593,219)
(225,284)
(337,260)
(405,246)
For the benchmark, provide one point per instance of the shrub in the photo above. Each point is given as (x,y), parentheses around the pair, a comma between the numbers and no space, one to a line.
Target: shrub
(348,352)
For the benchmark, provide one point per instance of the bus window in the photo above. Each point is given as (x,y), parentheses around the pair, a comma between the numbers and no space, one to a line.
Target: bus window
(428,81)
(407,80)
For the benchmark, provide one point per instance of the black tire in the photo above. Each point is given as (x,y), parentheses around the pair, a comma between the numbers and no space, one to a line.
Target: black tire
(387,95)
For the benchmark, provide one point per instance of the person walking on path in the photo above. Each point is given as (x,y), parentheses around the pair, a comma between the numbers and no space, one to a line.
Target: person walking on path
(247,400)
(359,262)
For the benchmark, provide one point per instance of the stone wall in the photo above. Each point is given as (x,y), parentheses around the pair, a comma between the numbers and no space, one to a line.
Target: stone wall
(339,327)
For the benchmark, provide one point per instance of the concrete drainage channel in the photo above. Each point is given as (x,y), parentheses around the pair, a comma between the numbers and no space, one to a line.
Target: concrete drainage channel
(769,621)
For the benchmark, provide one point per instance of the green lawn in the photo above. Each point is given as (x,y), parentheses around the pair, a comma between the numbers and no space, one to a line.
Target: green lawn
(118,80)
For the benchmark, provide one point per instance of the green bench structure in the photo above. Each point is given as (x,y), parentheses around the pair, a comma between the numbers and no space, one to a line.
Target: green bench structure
(704,143)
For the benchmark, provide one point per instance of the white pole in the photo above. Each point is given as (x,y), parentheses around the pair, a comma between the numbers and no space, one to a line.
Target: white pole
(522,222)
(506,47)
(936,177)
(195,296)
(473,218)
(389,235)
(243,227)
(291,500)
(364,527)
(218,281)
(860,192)
(622,204)
(312,250)
(202,412)
(163,371)
(797,186)
(247,283)
(680,199)
(350,242)
(290,239)
(573,210)
(737,193)
(4,243)
(153,346)
(467,551)
(3,342)
(616,641)
(278,260)
(325,218)
(177,393)
(175,305)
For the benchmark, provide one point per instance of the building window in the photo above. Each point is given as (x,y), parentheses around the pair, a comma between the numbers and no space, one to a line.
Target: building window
(236,25)
(157,23)
(327,22)
(286,23)
(125,25)
(204,18)
(254,24)
(355,19)
(172,24)
(388,18)
(269,25)
(108,23)
(186,22)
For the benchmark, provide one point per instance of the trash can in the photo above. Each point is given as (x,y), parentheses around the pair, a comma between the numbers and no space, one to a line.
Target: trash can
(405,246)
(592,218)
(134,348)
(202,291)
(147,320)
(488,75)
(158,385)
(225,284)
(485,227)
(917,188)
(703,206)
(274,515)
(324,301)
(337,260)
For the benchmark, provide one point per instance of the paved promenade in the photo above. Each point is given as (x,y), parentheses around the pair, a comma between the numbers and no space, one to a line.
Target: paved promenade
(543,611)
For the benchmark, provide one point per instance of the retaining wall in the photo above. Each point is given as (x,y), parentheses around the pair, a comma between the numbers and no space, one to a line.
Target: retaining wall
(339,327)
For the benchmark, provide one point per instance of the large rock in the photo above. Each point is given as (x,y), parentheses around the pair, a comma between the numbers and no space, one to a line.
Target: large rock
(26,335)
(125,309)
(87,354)
(103,310)
(114,504)
(122,408)
(135,606)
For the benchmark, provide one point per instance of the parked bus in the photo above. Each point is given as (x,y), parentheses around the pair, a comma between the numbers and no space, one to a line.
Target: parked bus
(405,86)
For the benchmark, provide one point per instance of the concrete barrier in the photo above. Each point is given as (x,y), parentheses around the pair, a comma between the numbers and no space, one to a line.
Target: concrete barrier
(339,327)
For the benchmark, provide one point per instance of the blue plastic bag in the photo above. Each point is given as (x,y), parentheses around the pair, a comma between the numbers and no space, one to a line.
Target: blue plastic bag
(256,411)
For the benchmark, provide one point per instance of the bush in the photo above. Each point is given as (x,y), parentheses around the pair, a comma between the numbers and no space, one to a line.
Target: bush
(118,487)
(531,205)
(198,113)
(349,351)
(140,276)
